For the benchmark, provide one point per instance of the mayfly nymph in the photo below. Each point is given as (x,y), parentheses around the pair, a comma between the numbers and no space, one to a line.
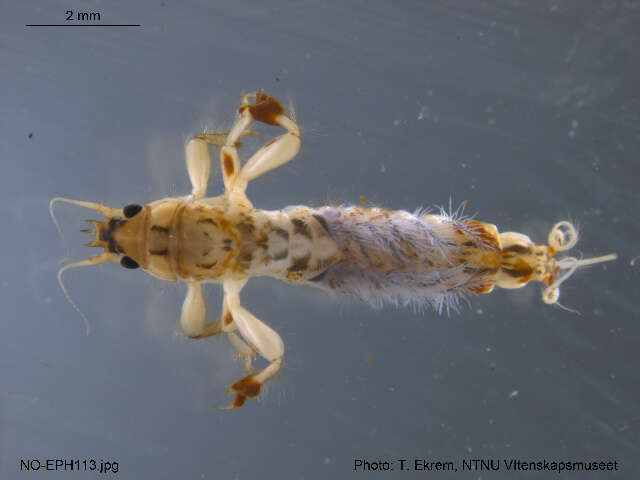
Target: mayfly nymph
(372,254)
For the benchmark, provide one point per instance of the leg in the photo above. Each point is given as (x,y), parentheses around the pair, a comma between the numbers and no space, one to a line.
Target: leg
(274,153)
(277,151)
(244,351)
(198,163)
(193,323)
(260,337)
(229,153)
(194,315)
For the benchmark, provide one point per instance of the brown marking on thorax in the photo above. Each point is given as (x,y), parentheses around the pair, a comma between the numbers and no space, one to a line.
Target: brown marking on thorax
(208,243)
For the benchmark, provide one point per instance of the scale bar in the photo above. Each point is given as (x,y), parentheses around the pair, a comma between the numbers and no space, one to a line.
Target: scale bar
(83,25)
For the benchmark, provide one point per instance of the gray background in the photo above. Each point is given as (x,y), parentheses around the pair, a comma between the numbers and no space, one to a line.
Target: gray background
(527,110)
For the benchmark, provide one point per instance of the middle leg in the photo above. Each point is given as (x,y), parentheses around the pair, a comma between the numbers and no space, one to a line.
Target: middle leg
(193,320)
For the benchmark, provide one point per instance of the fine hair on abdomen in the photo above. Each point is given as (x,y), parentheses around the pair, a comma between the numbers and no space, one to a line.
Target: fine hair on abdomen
(396,257)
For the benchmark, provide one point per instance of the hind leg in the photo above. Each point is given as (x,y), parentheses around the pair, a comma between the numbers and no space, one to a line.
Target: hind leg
(274,153)
(277,151)
(260,338)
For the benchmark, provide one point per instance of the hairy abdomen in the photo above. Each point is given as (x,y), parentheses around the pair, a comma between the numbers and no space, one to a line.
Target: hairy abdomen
(402,258)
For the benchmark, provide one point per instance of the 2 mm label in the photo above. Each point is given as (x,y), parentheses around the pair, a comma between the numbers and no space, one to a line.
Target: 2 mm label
(83,16)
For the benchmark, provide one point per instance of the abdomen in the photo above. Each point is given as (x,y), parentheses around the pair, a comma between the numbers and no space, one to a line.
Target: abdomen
(402,258)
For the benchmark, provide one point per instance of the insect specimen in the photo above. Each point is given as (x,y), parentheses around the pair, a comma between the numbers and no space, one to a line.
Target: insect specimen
(372,254)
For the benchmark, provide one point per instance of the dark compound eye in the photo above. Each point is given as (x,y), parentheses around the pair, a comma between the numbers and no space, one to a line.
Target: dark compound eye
(128,262)
(131,210)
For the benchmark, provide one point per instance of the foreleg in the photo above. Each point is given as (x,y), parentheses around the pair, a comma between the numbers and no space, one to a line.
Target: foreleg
(198,163)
